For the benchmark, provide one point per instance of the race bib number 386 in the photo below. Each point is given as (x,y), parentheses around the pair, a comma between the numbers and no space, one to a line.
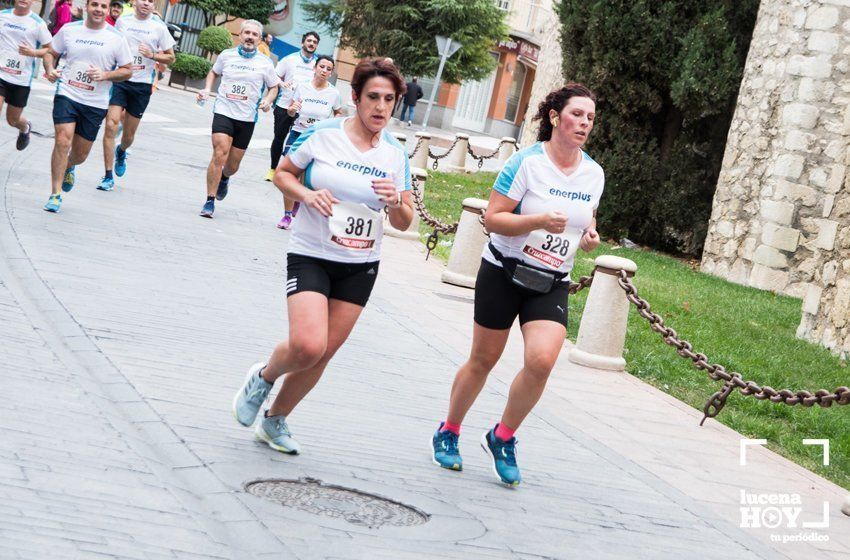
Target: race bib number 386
(77,77)
(354,226)
(553,250)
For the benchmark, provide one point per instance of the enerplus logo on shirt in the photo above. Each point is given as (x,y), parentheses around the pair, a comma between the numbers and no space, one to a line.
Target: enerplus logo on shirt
(570,195)
(14,26)
(362,169)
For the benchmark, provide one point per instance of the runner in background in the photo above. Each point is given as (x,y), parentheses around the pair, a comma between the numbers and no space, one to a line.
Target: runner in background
(116,9)
(356,169)
(313,102)
(245,74)
(150,43)
(96,56)
(541,211)
(24,37)
(292,69)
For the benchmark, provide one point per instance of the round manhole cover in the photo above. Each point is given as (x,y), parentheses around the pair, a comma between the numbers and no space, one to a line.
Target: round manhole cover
(356,507)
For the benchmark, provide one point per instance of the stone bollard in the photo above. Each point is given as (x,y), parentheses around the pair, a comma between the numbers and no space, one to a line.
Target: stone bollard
(602,332)
(401,137)
(420,160)
(506,149)
(457,159)
(412,231)
(469,243)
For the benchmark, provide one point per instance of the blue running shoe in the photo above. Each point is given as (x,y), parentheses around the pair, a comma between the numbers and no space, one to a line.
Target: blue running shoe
(106,184)
(222,189)
(445,448)
(208,209)
(274,431)
(252,395)
(120,161)
(503,455)
(68,180)
(54,203)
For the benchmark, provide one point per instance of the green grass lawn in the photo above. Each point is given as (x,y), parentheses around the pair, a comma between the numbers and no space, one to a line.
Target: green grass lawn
(747,330)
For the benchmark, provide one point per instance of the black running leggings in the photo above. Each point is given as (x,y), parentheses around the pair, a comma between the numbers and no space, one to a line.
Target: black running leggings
(282,124)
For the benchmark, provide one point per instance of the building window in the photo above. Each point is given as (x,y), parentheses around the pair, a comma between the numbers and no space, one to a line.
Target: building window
(503,4)
(515,93)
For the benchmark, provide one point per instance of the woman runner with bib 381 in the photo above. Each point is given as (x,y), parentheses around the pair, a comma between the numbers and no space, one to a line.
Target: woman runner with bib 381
(542,210)
(352,169)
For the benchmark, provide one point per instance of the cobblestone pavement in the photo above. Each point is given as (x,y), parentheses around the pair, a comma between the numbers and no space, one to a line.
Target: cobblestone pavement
(127,323)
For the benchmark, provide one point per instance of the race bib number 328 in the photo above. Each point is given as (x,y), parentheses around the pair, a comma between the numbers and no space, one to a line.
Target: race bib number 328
(354,226)
(554,250)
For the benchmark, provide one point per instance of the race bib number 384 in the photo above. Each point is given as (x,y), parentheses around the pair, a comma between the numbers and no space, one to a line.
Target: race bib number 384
(11,63)
(354,226)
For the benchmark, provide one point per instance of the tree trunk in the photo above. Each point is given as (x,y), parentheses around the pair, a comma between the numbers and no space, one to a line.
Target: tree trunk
(672,127)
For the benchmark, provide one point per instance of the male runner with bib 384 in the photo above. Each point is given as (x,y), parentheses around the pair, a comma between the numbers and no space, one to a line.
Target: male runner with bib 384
(150,42)
(355,169)
(541,211)
(23,38)
(245,74)
(90,47)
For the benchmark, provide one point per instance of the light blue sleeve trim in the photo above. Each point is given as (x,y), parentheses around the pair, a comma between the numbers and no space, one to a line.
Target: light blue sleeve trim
(393,141)
(308,173)
(507,175)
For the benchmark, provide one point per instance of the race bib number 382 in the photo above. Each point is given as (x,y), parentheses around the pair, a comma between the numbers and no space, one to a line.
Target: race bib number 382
(354,226)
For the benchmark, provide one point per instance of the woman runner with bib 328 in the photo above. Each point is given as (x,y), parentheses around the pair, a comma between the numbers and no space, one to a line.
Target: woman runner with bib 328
(542,210)
(352,169)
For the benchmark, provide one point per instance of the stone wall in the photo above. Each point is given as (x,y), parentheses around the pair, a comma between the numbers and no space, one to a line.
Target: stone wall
(547,77)
(779,219)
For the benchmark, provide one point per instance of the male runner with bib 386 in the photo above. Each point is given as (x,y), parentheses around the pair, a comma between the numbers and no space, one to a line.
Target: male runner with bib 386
(355,169)
(23,38)
(245,74)
(90,48)
(541,211)
(150,42)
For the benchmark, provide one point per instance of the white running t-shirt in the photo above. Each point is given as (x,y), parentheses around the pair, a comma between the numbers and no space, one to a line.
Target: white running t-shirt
(316,104)
(84,48)
(152,32)
(16,68)
(330,161)
(243,81)
(530,178)
(296,69)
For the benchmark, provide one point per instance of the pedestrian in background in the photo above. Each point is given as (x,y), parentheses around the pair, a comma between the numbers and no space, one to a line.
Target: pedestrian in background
(414,94)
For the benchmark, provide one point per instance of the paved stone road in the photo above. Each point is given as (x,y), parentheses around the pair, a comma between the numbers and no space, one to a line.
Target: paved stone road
(126,325)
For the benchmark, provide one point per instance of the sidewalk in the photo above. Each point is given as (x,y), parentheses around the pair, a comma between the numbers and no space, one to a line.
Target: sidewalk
(127,323)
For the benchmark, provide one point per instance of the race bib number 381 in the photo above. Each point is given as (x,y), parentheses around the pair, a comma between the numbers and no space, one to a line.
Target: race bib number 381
(354,226)
(553,250)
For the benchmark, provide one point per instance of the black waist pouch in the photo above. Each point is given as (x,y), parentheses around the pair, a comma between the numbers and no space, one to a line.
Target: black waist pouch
(523,275)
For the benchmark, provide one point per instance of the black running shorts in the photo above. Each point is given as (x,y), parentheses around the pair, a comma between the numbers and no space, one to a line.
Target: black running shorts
(351,282)
(86,119)
(15,95)
(240,131)
(498,301)
(133,96)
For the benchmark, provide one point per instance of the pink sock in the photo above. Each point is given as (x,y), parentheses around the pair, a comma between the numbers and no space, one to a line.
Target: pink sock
(449,427)
(503,432)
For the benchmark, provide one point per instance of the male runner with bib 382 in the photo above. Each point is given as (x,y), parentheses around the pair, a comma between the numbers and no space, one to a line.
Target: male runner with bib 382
(354,169)
(23,38)
(541,211)
(245,74)
(90,48)
(150,42)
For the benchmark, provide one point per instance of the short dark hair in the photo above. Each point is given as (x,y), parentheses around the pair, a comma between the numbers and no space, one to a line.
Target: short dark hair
(322,57)
(556,101)
(415,79)
(313,33)
(369,68)
(116,3)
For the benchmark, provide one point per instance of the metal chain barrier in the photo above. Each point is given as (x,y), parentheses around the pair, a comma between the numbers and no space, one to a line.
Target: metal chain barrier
(437,225)
(416,149)
(734,380)
(437,158)
(583,282)
(480,159)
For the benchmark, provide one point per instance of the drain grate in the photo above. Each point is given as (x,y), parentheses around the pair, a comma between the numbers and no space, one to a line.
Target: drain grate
(356,507)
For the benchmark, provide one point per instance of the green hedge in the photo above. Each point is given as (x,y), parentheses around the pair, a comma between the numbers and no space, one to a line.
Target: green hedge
(215,39)
(193,66)
(667,74)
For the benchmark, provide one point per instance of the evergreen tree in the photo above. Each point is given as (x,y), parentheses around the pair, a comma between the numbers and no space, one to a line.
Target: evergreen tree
(219,12)
(405,32)
(667,74)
